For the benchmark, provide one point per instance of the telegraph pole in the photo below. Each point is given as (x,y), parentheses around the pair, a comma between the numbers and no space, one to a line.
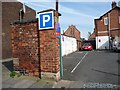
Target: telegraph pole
(57,5)
(61,63)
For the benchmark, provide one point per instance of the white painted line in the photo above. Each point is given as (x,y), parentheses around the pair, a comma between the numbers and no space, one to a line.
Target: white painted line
(79,63)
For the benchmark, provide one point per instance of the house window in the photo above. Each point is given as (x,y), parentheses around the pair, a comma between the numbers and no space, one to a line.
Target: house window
(119,19)
(105,21)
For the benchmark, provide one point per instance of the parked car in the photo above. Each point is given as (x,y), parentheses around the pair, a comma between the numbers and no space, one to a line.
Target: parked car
(87,46)
(116,46)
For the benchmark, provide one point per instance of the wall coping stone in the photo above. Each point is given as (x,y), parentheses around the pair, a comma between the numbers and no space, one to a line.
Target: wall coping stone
(24,21)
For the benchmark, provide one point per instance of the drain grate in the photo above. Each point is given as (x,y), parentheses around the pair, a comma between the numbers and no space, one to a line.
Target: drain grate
(100,85)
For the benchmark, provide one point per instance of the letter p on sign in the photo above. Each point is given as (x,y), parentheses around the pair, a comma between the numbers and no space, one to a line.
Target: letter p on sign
(46,20)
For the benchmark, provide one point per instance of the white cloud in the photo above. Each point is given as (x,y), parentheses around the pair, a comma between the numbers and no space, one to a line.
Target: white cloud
(72,11)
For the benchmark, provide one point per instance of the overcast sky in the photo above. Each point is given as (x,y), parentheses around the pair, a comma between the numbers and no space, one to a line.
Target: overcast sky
(80,13)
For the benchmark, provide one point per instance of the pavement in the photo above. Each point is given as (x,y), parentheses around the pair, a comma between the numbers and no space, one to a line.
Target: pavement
(32,82)
(22,81)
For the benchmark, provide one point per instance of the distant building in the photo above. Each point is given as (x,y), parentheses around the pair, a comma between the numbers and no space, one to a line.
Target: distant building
(11,12)
(92,36)
(72,31)
(107,27)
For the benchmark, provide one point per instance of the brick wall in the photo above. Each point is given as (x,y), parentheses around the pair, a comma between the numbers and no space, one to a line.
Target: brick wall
(26,40)
(49,51)
(115,33)
(25,47)
(114,19)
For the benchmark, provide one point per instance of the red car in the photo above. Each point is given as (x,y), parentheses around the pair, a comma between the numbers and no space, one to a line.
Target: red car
(87,46)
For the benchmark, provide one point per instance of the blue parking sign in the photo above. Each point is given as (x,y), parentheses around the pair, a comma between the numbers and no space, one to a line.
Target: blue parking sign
(46,20)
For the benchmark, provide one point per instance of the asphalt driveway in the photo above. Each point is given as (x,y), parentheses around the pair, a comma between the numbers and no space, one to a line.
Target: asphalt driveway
(92,67)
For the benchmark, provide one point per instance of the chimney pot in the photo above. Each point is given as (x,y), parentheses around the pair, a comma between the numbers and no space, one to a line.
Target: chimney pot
(113,4)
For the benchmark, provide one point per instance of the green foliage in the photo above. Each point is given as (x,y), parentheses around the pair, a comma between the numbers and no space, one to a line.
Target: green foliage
(13,74)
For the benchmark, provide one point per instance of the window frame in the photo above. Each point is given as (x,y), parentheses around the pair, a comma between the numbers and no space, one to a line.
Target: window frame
(106,21)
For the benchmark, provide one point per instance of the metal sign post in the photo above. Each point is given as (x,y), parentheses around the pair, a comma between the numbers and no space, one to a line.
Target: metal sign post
(61,63)
(58,35)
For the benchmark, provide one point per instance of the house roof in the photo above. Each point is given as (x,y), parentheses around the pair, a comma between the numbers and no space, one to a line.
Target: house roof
(74,27)
(108,12)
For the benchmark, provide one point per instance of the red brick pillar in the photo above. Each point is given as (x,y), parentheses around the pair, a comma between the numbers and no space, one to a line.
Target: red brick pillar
(49,53)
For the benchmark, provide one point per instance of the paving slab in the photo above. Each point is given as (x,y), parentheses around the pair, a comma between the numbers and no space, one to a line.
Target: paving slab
(62,84)
(41,83)
(23,84)
(9,83)
(76,84)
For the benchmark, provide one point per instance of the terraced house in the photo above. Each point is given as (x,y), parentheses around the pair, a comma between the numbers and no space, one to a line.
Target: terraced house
(107,28)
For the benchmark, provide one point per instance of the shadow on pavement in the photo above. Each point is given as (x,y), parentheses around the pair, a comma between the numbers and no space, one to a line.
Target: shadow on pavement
(8,65)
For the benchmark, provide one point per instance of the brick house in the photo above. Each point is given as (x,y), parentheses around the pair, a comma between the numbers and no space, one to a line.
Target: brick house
(107,27)
(72,31)
(10,12)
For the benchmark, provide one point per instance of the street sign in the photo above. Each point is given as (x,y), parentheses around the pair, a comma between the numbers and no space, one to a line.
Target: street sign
(46,20)
(57,27)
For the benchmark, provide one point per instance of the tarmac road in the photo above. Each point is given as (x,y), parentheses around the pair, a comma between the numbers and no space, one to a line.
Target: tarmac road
(92,67)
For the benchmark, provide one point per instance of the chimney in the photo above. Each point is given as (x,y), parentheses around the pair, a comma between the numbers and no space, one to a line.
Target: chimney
(114,4)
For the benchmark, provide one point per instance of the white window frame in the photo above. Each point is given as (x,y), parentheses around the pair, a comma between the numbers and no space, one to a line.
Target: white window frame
(119,19)
(106,21)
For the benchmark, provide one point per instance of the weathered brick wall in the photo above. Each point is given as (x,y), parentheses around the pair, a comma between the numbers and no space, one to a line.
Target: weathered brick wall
(25,47)
(38,50)
(26,40)
(49,51)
